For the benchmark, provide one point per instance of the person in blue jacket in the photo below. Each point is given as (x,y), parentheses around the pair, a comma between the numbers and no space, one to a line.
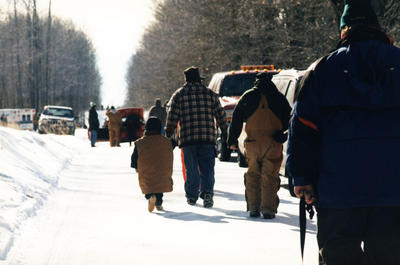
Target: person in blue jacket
(344,141)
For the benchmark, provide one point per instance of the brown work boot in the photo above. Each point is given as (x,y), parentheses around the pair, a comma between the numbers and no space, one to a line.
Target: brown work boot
(152,203)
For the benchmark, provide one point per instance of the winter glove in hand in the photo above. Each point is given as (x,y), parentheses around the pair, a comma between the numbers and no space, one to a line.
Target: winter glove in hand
(279,137)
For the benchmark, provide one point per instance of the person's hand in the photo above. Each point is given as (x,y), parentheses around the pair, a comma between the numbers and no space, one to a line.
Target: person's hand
(233,147)
(307,191)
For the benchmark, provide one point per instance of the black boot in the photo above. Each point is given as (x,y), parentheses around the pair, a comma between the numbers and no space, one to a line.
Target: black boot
(254,214)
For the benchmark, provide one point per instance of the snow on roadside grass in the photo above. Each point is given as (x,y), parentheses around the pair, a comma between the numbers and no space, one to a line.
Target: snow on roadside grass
(29,168)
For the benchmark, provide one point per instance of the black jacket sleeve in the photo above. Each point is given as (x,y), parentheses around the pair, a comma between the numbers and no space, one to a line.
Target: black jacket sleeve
(134,158)
(246,106)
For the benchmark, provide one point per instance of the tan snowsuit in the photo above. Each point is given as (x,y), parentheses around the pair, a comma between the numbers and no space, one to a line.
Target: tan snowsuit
(264,157)
(114,126)
(155,162)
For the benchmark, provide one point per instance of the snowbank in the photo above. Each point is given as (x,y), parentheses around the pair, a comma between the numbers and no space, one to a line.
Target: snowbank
(30,166)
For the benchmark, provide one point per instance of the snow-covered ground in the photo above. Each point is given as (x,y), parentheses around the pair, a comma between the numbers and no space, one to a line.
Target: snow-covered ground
(63,202)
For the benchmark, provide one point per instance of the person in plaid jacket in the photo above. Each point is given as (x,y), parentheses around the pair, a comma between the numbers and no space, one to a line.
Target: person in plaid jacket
(196,108)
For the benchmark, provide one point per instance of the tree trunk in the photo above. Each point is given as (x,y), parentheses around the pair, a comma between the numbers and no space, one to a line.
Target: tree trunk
(19,98)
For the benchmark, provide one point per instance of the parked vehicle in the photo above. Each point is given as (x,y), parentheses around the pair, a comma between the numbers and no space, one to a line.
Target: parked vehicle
(57,120)
(230,86)
(18,118)
(132,125)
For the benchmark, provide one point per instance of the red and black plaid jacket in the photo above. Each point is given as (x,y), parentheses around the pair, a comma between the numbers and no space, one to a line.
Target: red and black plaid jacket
(196,108)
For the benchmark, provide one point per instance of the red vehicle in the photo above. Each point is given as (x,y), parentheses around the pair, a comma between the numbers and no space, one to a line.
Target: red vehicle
(132,126)
(230,86)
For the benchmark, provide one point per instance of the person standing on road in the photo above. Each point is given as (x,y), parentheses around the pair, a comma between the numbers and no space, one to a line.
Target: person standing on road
(344,141)
(93,123)
(266,113)
(196,107)
(114,126)
(160,112)
(153,159)
(35,121)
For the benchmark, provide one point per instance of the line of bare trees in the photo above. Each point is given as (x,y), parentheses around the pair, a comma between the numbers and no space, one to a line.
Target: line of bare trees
(221,35)
(45,61)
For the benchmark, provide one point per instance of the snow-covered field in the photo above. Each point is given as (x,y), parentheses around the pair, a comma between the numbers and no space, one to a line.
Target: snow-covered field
(63,202)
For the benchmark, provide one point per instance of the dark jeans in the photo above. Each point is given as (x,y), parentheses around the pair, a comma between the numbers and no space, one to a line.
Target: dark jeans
(340,233)
(93,137)
(159,197)
(199,166)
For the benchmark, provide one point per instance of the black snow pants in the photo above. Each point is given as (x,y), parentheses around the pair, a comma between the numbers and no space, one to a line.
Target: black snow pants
(359,236)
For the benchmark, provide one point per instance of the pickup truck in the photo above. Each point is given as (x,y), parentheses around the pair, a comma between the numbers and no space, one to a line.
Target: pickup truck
(57,120)
(230,86)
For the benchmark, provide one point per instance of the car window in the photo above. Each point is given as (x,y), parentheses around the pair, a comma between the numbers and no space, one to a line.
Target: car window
(67,113)
(236,85)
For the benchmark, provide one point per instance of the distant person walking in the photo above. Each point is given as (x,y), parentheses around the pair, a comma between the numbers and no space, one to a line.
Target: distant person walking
(343,150)
(93,123)
(35,121)
(196,108)
(266,113)
(3,119)
(160,112)
(114,126)
(153,160)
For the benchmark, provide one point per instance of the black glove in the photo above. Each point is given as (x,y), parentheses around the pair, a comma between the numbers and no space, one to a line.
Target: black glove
(279,137)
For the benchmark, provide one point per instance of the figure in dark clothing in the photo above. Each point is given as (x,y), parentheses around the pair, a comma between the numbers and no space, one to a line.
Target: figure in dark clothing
(133,123)
(344,143)
(266,113)
(198,111)
(93,124)
(160,112)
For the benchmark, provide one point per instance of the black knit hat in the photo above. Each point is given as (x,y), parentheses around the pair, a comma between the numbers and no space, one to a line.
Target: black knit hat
(192,75)
(358,12)
(153,124)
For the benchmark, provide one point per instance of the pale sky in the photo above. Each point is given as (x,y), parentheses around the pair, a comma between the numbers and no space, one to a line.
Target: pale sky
(115,28)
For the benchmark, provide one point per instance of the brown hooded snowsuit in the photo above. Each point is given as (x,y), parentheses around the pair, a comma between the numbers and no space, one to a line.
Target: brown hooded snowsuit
(114,126)
(266,113)
(154,165)
(264,157)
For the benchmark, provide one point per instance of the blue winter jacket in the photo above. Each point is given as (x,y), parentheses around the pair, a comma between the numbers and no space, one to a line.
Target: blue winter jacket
(345,131)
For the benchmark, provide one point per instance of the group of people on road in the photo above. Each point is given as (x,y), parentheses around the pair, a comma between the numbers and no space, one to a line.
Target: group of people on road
(342,144)
(114,124)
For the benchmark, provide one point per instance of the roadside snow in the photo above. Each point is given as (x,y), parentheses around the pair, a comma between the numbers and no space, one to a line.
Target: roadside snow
(30,166)
(65,203)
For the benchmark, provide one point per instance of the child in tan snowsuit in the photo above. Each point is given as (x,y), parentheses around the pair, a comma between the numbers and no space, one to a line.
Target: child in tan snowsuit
(153,160)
